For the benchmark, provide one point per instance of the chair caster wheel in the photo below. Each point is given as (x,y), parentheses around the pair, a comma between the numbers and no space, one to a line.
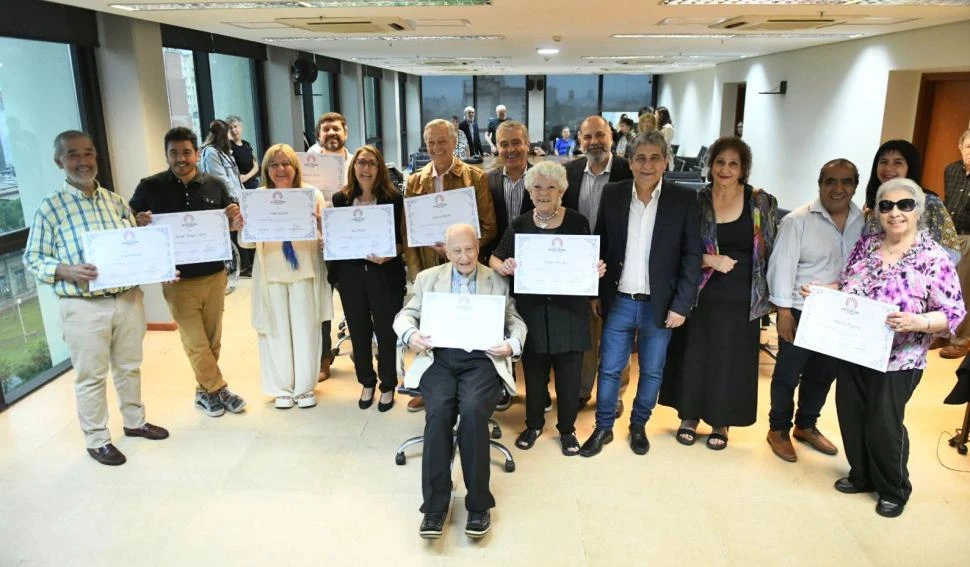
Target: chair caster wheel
(509,466)
(400,459)
(962,449)
(496,433)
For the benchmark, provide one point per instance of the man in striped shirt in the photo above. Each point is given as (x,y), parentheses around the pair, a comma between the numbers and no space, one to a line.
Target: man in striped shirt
(103,329)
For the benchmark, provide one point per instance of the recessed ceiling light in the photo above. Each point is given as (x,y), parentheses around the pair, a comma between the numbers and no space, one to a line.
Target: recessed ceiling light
(547,51)
(672,36)
(384,38)
(171,6)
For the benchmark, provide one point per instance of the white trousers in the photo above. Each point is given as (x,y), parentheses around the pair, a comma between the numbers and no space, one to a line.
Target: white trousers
(105,334)
(289,357)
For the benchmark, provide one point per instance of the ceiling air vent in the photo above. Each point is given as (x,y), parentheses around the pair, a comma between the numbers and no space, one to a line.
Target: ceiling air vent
(780,23)
(348,25)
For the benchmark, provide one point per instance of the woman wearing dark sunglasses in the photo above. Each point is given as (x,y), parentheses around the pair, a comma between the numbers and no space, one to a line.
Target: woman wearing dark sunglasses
(900,265)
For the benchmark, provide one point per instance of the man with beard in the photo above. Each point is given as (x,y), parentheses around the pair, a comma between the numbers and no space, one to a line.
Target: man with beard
(101,328)
(587,176)
(331,140)
(197,299)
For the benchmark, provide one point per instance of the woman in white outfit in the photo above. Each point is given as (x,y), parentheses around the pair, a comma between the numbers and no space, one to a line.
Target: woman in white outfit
(291,296)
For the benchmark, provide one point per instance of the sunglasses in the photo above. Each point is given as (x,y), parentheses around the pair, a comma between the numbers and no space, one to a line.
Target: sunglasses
(904,205)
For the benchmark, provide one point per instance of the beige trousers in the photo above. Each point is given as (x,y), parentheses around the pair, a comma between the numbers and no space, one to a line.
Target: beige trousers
(289,357)
(105,334)
(197,305)
(963,272)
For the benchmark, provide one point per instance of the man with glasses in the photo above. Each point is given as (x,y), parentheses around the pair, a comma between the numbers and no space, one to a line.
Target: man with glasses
(103,329)
(813,243)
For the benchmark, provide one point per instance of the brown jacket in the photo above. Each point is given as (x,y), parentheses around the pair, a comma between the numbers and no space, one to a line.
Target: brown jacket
(461,175)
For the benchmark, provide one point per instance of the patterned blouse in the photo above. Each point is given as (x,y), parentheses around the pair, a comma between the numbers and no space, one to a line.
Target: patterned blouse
(923,280)
(939,224)
(764,214)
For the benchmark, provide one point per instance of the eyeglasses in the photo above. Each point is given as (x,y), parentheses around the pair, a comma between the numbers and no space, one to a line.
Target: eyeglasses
(362,163)
(283,164)
(904,206)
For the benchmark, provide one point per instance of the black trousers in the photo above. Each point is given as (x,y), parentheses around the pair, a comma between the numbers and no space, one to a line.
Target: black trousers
(812,373)
(370,302)
(871,406)
(464,384)
(568,367)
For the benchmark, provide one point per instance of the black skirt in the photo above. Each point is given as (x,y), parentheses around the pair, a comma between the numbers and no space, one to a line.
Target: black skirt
(712,364)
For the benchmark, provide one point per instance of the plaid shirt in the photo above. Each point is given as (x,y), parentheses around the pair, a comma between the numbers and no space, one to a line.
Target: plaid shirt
(55,237)
(956,184)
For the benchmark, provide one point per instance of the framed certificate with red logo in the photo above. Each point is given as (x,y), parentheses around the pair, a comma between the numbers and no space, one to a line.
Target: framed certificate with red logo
(428,216)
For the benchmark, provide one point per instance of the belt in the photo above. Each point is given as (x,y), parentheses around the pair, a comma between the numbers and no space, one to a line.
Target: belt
(106,295)
(635,296)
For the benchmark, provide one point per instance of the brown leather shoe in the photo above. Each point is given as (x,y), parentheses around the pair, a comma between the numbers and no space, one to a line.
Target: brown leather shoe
(939,342)
(815,438)
(324,368)
(416,404)
(781,445)
(955,351)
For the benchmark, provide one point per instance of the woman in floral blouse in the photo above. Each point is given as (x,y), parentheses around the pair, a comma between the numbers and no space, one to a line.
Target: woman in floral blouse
(903,266)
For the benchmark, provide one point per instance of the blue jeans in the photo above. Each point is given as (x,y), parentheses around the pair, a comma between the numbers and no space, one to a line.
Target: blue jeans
(626,317)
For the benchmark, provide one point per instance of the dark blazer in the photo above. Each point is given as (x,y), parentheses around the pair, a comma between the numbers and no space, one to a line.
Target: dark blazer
(496,184)
(474,138)
(675,250)
(620,171)
(393,270)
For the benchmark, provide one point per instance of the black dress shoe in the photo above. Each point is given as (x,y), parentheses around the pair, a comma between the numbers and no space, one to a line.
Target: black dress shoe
(148,431)
(845,486)
(433,525)
(595,443)
(888,509)
(619,408)
(108,455)
(478,524)
(638,440)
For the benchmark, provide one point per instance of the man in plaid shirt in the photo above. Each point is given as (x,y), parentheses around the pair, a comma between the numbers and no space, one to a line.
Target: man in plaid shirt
(956,184)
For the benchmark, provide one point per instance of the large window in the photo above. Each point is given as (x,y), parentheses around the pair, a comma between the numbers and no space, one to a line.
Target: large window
(34,108)
(233,93)
(569,100)
(446,96)
(372,111)
(493,90)
(625,94)
(322,93)
(183,97)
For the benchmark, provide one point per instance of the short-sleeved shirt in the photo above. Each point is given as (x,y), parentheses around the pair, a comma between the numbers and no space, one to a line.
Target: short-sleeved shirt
(165,193)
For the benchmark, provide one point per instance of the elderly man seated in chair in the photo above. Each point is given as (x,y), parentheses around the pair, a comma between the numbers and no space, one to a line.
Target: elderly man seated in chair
(457,382)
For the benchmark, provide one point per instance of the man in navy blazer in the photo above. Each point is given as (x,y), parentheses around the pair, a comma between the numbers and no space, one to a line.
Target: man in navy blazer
(650,240)
(470,127)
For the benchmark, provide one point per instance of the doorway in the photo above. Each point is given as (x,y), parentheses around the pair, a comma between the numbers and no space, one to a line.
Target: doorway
(942,114)
(732,109)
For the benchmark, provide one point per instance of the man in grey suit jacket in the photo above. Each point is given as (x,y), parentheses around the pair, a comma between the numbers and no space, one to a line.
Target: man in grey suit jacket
(456,383)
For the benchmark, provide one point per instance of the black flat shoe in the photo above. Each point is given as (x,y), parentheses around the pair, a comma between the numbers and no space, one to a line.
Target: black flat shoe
(432,525)
(383,407)
(368,402)
(570,445)
(888,509)
(846,486)
(527,439)
(638,440)
(148,431)
(478,524)
(595,443)
(108,455)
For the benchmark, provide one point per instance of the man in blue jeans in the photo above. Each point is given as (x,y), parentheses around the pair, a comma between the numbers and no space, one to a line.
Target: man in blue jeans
(650,240)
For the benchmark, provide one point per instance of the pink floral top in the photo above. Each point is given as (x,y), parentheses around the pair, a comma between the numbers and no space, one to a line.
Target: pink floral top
(923,280)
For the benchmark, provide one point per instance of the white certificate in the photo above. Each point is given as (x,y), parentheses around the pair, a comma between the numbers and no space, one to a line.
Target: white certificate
(326,172)
(351,233)
(130,256)
(273,215)
(466,320)
(428,216)
(553,264)
(849,327)
(198,236)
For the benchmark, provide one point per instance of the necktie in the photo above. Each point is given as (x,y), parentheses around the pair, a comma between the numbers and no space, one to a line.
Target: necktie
(290,254)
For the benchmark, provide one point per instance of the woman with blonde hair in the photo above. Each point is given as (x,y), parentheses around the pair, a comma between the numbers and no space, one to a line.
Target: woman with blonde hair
(291,296)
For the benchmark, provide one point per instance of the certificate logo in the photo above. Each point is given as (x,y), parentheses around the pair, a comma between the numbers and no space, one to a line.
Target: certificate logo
(278,198)
(557,246)
(851,306)
(188,220)
(464,303)
(129,238)
(439,201)
(310,160)
(358,215)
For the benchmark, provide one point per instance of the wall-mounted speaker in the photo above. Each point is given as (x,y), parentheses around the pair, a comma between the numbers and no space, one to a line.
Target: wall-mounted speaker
(530,85)
(540,84)
(304,71)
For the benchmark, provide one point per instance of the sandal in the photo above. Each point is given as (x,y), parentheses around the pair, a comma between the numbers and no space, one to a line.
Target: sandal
(527,439)
(686,436)
(720,441)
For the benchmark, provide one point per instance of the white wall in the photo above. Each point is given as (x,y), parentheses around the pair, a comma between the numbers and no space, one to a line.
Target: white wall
(350,85)
(413,102)
(835,106)
(391,117)
(537,112)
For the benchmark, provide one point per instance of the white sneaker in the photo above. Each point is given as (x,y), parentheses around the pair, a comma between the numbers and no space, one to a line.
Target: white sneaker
(284,402)
(307,400)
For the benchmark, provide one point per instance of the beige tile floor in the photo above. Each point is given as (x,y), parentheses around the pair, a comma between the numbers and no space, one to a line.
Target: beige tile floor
(319,486)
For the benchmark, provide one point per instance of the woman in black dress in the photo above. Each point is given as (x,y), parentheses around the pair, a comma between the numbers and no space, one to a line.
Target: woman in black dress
(712,361)
(558,324)
(371,290)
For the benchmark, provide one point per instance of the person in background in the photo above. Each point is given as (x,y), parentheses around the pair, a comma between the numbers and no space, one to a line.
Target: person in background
(242,153)
(956,191)
(712,362)
(565,144)
(903,266)
(501,115)
(813,243)
(665,124)
(469,127)
(110,337)
(646,123)
(625,135)
(290,296)
(217,161)
(197,300)
(461,149)
(372,290)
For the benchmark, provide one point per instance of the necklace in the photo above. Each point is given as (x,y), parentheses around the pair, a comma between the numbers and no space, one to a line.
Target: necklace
(541,221)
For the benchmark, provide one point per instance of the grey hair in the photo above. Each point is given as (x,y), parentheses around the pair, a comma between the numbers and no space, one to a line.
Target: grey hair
(233,119)
(547,170)
(908,185)
(65,137)
(468,109)
(459,228)
(513,125)
(501,107)
(964,136)
(651,138)
(452,131)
